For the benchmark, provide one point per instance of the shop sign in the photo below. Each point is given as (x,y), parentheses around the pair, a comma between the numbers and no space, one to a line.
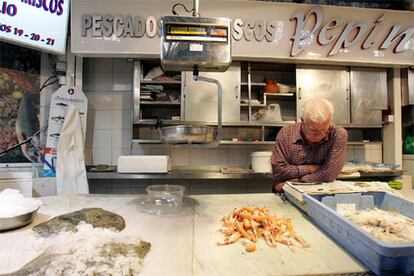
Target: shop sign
(350,32)
(294,31)
(35,23)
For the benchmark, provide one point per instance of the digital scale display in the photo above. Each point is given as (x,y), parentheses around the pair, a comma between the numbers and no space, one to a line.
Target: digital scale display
(196,32)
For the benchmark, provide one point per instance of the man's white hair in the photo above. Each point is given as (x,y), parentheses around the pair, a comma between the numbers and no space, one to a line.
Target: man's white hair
(317,110)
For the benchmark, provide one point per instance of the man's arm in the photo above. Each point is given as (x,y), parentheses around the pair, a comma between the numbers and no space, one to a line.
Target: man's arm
(282,170)
(333,163)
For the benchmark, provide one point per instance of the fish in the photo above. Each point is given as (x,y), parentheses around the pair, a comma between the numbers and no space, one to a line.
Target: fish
(98,217)
(61,104)
(55,135)
(98,257)
(58,119)
(27,125)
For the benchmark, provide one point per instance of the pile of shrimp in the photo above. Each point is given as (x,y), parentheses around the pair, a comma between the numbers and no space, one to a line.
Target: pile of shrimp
(249,224)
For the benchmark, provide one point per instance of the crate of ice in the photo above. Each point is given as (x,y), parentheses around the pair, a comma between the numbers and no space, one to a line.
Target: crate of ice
(383,258)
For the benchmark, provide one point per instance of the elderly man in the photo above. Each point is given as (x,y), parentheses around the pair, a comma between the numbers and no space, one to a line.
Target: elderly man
(310,151)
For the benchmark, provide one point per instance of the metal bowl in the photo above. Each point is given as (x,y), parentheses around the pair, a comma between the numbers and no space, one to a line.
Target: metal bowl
(17,221)
(188,134)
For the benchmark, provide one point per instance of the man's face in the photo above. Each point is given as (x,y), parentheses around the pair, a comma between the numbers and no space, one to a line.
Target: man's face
(315,132)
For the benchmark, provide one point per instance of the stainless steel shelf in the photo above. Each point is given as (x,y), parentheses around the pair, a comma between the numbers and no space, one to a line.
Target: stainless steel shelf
(160,82)
(253,84)
(253,105)
(150,122)
(179,175)
(146,141)
(154,141)
(361,126)
(364,143)
(279,94)
(159,103)
(149,141)
(247,143)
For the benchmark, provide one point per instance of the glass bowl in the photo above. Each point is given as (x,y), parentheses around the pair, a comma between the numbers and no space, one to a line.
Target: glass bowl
(163,199)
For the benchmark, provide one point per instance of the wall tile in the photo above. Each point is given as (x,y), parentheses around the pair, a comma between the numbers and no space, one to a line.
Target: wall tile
(159,150)
(180,157)
(121,138)
(122,81)
(100,119)
(140,149)
(116,152)
(122,100)
(99,138)
(122,65)
(121,119)
(88,64)
(90,119)
(239,157)
(103,65)
(217,157)
(97,82)
(100,101)
(101,156)
(198,157)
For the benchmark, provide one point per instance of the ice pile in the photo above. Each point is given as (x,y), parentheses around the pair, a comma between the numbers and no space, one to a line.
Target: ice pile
(13,203)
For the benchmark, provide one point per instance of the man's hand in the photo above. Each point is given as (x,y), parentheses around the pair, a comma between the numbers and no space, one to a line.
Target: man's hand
(313,168)
(278,187)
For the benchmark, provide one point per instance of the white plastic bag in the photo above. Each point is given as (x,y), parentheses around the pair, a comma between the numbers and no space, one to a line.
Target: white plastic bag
(270,114)
(71,172)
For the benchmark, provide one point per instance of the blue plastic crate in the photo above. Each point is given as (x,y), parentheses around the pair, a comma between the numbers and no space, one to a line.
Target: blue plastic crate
(380,257)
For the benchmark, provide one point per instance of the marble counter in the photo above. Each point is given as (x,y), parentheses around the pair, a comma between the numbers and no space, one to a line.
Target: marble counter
(185,243)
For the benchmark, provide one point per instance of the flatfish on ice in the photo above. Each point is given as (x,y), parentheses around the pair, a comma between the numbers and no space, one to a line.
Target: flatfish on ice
(90,251)
(97,217)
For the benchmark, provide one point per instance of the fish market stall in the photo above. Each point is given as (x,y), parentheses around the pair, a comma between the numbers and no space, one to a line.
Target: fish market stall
(185,243)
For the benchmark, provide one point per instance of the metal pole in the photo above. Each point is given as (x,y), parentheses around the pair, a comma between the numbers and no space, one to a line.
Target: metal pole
(219,111)
(196,8)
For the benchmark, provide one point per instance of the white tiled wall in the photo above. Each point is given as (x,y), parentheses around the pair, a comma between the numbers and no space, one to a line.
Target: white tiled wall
(108,85)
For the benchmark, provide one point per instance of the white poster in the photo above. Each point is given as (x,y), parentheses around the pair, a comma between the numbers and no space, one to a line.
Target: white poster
(61,100)
(35,23)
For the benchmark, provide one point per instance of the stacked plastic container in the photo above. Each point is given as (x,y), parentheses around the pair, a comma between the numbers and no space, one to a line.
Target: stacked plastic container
(380,257)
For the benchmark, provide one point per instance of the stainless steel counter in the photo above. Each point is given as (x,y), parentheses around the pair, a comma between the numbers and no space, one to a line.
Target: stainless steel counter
(205,174)
(179,174)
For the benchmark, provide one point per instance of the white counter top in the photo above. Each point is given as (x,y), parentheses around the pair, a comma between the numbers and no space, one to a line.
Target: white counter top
(185,243)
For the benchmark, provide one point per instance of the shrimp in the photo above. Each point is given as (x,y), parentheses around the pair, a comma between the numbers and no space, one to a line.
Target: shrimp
(232,239)
(250,223)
